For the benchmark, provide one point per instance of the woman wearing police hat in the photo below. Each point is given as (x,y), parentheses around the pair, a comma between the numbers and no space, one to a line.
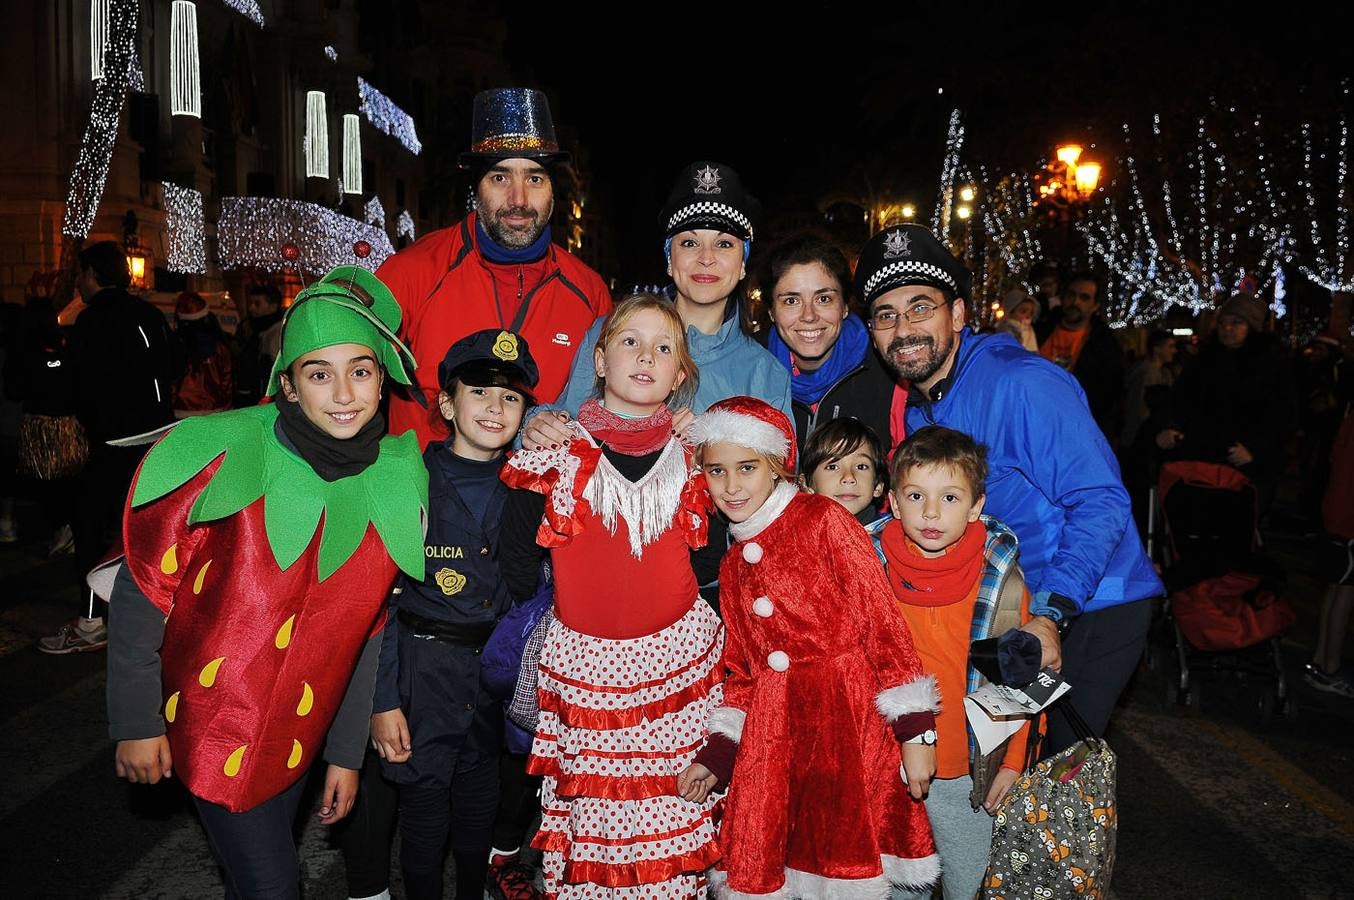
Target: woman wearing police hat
(708,225)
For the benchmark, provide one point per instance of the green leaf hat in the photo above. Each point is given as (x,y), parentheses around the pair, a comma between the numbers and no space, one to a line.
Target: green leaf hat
(350,305)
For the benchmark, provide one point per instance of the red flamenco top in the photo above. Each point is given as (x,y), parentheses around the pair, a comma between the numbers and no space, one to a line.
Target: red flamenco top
(271,580)
(620,549)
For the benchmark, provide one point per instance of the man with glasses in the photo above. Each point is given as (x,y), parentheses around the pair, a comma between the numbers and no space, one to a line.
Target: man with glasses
(1052,477)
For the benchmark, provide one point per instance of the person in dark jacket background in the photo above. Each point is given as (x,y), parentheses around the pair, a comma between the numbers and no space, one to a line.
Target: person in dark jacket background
(120,349)
(1235,403)
(1081,342)
(834,371)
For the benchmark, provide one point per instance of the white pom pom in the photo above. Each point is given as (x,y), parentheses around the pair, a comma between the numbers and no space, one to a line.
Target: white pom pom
(778,660)
(763,607)
(752,553)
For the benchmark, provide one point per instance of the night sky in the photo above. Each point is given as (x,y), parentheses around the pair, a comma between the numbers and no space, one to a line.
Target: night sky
(806,107)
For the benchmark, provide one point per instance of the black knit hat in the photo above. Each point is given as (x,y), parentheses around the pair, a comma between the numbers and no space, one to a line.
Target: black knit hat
(710,195)
(908,254)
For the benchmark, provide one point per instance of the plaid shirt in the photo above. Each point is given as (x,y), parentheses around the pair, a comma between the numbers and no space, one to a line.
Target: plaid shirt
(999,555)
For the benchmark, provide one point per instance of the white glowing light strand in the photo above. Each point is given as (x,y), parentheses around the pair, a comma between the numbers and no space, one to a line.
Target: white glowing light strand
(316,143)
(185,75)
(98,37)
(954,142)
(352,154)
(331,54)
(382,112)
(184,225)
(252,231)
(374,213)
(247,8)
(404,226)
(1328,270)
(101,132)
(1006,212)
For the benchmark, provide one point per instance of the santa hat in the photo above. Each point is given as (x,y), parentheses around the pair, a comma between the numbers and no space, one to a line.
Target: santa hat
(751,423)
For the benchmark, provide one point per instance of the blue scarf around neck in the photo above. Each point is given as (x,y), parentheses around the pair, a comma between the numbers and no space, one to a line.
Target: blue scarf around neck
(809,387)
(497,253)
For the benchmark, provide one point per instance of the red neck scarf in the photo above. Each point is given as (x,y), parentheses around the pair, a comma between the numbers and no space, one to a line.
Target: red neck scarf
(633,437)
(933,580)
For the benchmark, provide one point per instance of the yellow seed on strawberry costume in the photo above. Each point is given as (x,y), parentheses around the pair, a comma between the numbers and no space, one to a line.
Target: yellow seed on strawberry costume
(172,707)
(207,677)
(284,633)
(307,699)
(201,573)
(295,759)
(232,767)
(169,563)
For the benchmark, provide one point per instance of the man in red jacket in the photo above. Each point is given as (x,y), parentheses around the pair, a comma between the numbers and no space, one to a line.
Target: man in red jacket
(497,268)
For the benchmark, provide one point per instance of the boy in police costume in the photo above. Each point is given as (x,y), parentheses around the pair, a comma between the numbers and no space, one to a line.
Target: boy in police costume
(436,730)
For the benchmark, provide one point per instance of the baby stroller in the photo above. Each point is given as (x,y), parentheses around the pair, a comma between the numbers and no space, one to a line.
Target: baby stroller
(1226,607)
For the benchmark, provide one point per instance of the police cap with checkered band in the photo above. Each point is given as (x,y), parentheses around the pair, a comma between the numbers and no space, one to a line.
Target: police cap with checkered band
(708,194)
(903,255)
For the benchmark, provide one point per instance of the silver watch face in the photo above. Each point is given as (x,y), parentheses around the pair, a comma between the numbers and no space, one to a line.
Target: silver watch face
(928,736)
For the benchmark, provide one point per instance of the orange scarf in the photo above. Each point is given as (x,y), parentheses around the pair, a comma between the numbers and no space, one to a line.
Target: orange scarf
(933,580)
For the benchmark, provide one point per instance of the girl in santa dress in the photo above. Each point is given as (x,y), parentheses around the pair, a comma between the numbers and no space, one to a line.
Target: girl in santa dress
(630,669)
(823,694)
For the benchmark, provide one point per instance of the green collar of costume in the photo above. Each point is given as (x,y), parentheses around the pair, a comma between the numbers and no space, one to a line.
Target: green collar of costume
(391,493)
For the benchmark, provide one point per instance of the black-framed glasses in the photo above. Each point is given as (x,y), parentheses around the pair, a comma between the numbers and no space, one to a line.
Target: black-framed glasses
(887,319)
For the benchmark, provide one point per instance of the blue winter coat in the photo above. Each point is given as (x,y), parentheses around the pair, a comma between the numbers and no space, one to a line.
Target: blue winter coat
(1052,477)
(731,364)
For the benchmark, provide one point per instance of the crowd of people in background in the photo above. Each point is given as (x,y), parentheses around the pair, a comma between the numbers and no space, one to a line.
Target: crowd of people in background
(656,433)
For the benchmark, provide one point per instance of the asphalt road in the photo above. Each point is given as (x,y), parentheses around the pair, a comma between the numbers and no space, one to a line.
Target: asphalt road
(1213,804)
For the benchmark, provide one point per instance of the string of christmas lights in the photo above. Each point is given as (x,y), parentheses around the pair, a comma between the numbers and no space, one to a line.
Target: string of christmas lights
(352,154)
(185,76)
(247,8)
(98,37)
(1007,211)
(949,168)
(316,142)
(1327,266)
(382,112)
(1194,254)
(374,213)
(252,232)
(330,53)
(101,132)
(184,226)
(404,226)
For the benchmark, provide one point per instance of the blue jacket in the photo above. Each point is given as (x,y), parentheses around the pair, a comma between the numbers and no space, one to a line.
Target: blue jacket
(731,364)
(1052,477)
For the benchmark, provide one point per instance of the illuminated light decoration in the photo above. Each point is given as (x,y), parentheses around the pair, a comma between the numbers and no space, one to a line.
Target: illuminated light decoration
(98,37)
(247,8)
(382,112)
(276,235)
(374,213)
(101,132)
(331,54)
(352,154)
(185,76)
(316,142)
(184,225)
(404,226)
(949,169)
(1008,212)
(1329,267)
(1206,244)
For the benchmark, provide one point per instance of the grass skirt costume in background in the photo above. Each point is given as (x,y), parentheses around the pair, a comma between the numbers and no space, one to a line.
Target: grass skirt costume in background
(628,673)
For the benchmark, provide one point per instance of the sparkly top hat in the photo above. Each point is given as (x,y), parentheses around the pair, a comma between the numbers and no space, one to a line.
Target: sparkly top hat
(512,123)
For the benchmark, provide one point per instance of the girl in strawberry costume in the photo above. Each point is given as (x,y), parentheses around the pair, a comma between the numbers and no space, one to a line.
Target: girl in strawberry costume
(826,711)
(630,668)
(260,547)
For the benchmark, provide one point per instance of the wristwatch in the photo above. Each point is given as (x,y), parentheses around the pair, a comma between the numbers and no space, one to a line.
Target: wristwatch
(927,738)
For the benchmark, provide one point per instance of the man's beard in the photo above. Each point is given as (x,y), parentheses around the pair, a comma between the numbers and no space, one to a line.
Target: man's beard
(507,237)
(923,365)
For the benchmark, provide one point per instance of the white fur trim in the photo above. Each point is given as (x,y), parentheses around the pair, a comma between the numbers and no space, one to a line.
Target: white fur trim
(756,523)
(919,695)
(719,426)
(728,721)
(913,873)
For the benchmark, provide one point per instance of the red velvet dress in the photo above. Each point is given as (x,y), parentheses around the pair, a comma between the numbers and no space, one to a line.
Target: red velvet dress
(628,675)
(818,660)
